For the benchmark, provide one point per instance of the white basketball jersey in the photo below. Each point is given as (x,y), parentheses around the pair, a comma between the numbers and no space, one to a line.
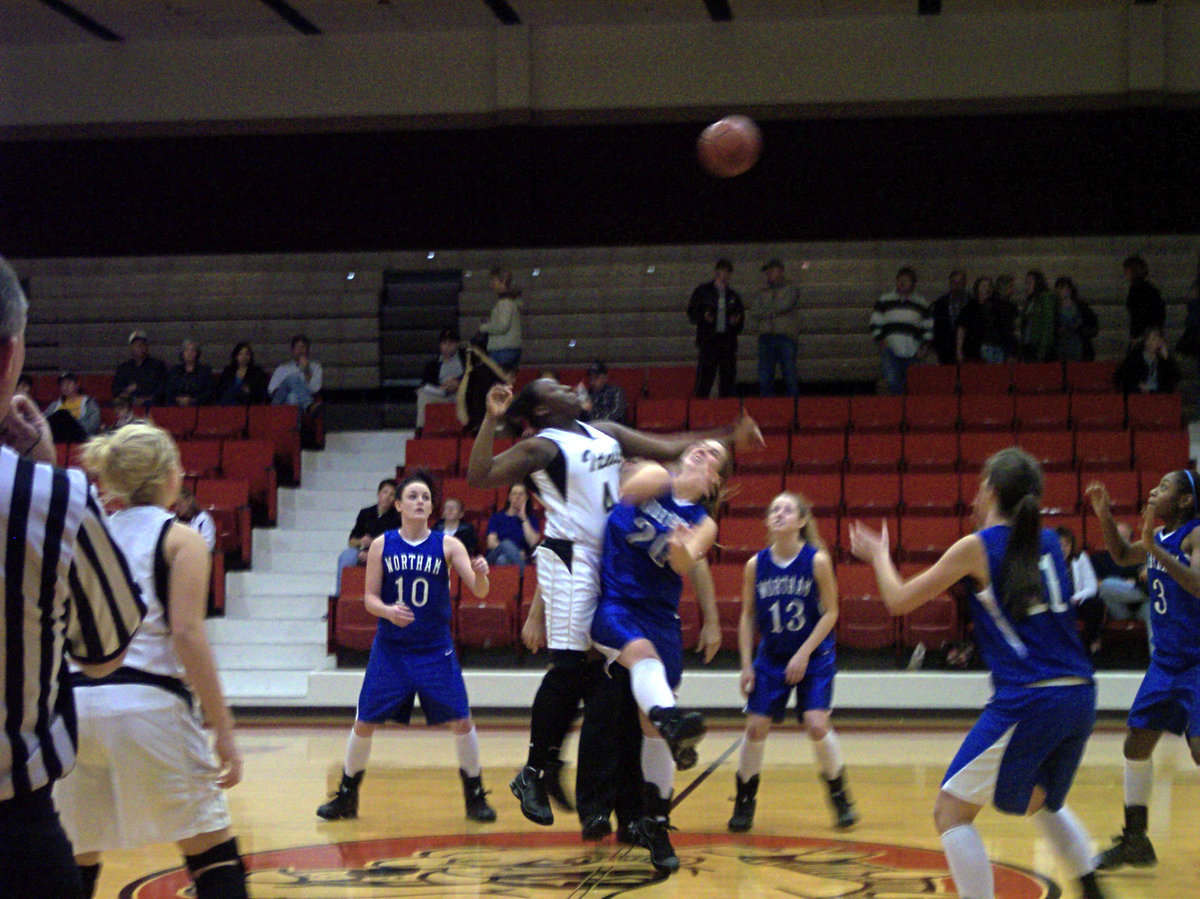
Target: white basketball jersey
(580,485)
(137,532)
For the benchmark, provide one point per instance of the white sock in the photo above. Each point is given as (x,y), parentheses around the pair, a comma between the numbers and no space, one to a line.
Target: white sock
(358,752)
(968,862)
(751,759)
(648,680)
(829,755)
(1139,778)
(658,767)
(467,746)
(1069,839)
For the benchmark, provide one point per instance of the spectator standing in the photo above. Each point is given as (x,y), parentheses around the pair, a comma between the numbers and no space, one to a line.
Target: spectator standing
(370,523)
(243,381)
(190,383)
(1148,367)
(1144,302)
(503,325)
(70,593)
(947,313)
(298,381)
(141,377)
(1077,324)
(452,525)
(602,401)
(1039,319)
(442,374)
(719,314)
(902,327)
(188,511)
(74,416)
(776,313)
(514,531)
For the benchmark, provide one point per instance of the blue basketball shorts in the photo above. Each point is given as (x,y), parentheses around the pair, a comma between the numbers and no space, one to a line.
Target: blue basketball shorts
(615,626)
(1026,737)
(1168,701)
(396,677)
(771,689)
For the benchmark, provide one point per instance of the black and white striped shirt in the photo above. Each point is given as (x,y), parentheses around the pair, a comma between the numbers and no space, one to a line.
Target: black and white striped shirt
(67,590)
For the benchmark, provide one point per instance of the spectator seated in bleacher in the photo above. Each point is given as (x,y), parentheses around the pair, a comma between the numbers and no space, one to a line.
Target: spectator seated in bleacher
(190,383)
(1084,590)
(602,401)
(452,524)
(140,377)
(1121,589)
(370,523)
(122,412)
(298,381)
(188,511)
(442,374)
(74,416)
(1148,367)
(514,531)
(243,381)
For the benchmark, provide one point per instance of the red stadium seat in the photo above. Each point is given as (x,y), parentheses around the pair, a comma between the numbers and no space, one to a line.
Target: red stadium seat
(1158,452)
(774,456)
(216,585)
(823,491)
(740,538)
(178,421)
(441,420)
(1126,489)
(220,421)
(874,451)
(727,585)
(491,621)
(819,452)
(1101,450)
(936,452)
(1097,411)
(934,624)
(1090,377)
(863,620)
(929,493)
(822,413)
(663,415)
(353,626)
(438,455)
(1042,412)
(1060,492)
(931,379)
(98,386)
(992,378)
(704,415)
(1154,411)
(254,460)
(871,494)
(1055,450)
(477,502)
(749,495)
(200,458)
(228,501)
(986,412)
(934,412)
(466,443)
(670,381)
(631,379)
(280,425)
(974,447)
(871,521)
(875,413)
(1037,377)
(923,538)
(773,413)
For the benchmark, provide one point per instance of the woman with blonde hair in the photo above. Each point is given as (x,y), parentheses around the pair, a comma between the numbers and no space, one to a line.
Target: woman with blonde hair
(145,771)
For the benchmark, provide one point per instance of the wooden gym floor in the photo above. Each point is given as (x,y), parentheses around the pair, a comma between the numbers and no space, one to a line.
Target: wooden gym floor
(411,839)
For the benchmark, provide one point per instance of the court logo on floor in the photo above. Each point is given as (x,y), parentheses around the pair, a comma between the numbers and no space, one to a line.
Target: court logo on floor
(533,865)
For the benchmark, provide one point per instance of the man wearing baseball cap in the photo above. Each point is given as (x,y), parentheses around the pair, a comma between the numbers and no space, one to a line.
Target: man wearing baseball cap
(602,401)
(141,377)
(776,312)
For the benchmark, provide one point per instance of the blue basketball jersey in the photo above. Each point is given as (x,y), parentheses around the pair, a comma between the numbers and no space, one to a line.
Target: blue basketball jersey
(634,569)
(1045,645)
(417,575)
(787,604)
(1174,613)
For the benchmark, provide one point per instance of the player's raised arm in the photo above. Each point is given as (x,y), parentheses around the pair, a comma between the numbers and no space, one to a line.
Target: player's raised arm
(514,464)
(743,434)
(966,558)
(1122,552)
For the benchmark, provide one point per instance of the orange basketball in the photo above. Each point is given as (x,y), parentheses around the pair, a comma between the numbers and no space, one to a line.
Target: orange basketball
(730,146)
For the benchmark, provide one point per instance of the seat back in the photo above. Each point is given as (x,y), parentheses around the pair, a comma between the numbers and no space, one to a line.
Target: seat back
(220,421)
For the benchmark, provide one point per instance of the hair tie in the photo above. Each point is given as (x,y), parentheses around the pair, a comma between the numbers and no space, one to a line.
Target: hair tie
(1192,481)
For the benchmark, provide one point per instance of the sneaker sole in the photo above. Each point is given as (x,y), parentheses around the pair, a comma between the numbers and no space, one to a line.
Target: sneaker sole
(544,820)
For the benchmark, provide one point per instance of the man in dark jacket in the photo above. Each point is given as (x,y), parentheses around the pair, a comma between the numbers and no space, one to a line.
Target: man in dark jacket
(141,377)
(370,523)
(718,313)
(947,314)
(1144,302)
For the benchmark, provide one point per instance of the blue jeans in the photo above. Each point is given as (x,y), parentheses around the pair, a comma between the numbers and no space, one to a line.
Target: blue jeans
(776,349)
(895,371)
(347,559)
(505,553)
(292,392)
(507,359)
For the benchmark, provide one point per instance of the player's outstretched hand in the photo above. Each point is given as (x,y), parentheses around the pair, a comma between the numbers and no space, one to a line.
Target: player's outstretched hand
(1147,523)
(866,544)
(710,640)
(26,431)
(746,433)
(746,681)
(231,761)
(400,614)
(1097,495)
(499,398)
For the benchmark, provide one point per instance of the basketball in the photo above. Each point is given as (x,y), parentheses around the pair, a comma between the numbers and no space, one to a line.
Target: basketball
(730,146)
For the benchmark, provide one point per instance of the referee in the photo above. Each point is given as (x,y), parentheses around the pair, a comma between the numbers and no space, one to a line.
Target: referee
(67,590)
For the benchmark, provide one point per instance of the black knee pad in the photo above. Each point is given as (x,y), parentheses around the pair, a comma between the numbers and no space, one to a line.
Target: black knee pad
(218,873)
(89,874)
